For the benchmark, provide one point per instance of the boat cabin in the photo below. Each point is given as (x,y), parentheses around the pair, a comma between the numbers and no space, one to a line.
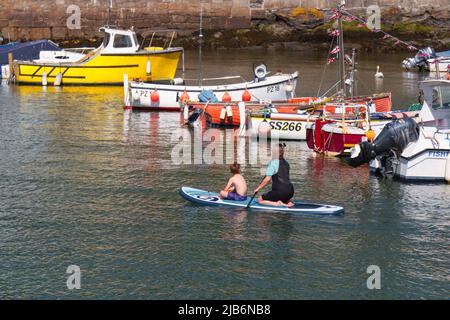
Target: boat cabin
(119,41)
(436,105)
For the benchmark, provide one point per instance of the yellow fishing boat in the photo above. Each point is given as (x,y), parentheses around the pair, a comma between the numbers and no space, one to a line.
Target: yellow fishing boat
(119,54)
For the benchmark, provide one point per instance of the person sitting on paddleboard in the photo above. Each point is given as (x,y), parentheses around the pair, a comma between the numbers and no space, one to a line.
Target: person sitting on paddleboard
(236,188)
(282,189)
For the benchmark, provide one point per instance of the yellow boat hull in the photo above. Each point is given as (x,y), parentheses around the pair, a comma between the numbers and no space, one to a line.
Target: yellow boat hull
(103,69)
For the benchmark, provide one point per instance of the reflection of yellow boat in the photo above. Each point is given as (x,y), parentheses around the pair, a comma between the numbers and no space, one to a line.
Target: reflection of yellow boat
(119,54)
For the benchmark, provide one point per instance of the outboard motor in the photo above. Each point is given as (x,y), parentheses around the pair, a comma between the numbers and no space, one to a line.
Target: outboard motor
(420,60)
(391,142)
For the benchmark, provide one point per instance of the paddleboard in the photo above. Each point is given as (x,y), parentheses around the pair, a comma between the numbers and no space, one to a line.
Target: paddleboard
(212,199)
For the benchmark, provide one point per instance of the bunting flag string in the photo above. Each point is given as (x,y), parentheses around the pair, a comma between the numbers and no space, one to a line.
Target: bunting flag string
(335,33)
(335,50)
(362,24)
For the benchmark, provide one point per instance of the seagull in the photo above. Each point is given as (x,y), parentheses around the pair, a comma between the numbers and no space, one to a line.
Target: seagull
(379,74)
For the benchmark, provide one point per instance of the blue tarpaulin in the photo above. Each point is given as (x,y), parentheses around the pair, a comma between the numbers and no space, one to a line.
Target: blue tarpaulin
(26,50)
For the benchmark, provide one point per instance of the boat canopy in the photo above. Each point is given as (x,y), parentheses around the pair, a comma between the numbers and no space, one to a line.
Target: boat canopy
(26,51)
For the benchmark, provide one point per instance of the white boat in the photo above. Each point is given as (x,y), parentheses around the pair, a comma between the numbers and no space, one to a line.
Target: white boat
(154,96)
(439,65)
(279,125)
(414,150)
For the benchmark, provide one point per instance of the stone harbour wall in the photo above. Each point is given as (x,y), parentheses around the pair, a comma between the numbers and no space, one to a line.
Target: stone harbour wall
(48,19)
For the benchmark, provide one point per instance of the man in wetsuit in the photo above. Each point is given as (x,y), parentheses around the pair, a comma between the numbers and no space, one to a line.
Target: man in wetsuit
(282,188)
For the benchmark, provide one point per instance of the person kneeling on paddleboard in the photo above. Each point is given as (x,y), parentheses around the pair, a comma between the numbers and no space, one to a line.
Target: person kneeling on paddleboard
(236,189)
(282,189)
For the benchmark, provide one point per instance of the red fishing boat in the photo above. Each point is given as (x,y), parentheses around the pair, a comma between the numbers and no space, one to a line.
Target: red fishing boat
(335,137)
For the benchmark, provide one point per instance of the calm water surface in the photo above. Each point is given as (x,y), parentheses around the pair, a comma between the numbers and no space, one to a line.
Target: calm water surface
(81,183)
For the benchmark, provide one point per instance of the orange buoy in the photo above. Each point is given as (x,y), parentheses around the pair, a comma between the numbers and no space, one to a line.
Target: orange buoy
(154,96)
(370,135)
(184,97)
(330,109)
(246,96)
(226,97)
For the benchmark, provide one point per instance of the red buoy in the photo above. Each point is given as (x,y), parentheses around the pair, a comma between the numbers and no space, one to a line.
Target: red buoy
(184,97)
(246,96)
(226,97)
(154,96)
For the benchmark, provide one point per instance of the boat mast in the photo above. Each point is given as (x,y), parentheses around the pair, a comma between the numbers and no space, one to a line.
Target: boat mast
(341,51)
(352,75)
(200,43)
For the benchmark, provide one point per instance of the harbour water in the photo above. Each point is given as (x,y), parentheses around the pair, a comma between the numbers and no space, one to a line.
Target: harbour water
(83,184)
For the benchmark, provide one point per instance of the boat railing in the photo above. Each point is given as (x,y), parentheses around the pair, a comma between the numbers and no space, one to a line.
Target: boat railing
(153,33)
(80,50)
(219,78)
(359,114)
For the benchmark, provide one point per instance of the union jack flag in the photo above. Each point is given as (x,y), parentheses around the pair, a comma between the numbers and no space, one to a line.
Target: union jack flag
(336,15)
(331,60)
(349,18)
(335,50)
(335,33)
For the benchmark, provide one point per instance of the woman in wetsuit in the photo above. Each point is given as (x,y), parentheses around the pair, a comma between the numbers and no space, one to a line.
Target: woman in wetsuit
(282,188)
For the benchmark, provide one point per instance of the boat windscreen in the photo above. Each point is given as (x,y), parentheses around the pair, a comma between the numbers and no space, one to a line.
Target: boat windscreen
(441,98)
(106,39)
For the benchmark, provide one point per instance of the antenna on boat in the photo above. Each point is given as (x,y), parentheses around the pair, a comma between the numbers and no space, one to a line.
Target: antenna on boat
(109,12)
(341,50)
(200,42)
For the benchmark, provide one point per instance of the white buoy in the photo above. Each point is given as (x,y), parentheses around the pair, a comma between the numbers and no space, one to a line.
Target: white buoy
(58,79)
(447,170)
(186,112)
(148,68)
(379,74)
(223,113)
(264,129)
(126,91)
(229,112)
(44,79)
(242,120)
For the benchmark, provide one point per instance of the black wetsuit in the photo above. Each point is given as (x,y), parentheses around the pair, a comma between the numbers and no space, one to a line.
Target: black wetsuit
(282,188)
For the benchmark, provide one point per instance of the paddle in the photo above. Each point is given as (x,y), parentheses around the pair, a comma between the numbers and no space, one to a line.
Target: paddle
(251,200)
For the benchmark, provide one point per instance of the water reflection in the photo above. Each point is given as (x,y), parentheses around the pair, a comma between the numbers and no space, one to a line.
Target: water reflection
(84,182)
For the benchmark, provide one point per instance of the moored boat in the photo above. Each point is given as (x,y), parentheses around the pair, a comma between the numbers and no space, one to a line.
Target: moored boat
(416,149)
(170,97)
(119,54)
(335,137)
(23,51)
(290,121)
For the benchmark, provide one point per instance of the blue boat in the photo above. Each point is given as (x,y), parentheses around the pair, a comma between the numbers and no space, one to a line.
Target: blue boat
(25,50)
